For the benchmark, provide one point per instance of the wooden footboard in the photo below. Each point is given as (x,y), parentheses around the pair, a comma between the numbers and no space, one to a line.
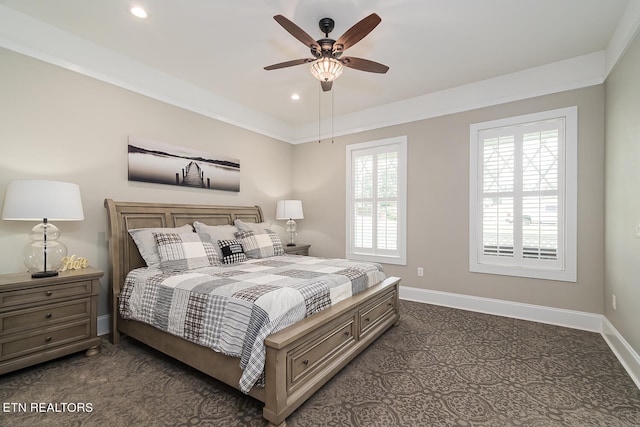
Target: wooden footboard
(304,356)
(299,359)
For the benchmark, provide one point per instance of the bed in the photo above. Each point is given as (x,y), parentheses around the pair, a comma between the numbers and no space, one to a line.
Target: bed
(299,358)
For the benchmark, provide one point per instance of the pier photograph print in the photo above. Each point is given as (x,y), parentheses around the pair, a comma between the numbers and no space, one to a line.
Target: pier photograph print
(160,163)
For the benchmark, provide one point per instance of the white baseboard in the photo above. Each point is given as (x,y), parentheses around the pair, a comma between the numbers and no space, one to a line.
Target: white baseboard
(554,316)
(623,351)
(536,313)
(104,324)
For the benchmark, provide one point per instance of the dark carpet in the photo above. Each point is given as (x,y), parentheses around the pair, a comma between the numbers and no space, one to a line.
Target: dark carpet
(437,367)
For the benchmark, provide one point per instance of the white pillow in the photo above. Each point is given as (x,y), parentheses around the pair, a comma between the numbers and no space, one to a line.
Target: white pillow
(214,233)
(146,241)
(257,228)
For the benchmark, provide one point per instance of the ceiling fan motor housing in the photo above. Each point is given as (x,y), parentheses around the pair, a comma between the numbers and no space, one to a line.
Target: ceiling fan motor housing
(326,44)
(326,49)
(326,26)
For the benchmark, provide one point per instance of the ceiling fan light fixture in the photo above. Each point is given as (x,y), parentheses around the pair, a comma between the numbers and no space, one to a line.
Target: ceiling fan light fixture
(326,69)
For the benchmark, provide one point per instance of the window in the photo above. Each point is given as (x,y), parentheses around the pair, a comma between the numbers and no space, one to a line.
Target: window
(523,196)
(376,201)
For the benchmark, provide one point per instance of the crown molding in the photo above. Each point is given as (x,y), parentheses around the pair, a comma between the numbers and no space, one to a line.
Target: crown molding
(574,73)
(28,36)
(623,35)
(34,38)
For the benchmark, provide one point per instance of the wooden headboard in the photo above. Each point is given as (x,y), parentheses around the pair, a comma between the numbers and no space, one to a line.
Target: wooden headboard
(123,216)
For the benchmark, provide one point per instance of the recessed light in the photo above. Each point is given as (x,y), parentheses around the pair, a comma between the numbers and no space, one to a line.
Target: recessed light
(295,97)
(139,12)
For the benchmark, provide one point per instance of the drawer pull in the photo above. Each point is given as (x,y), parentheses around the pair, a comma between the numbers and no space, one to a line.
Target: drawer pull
(48,339)
(366,319)
(48,315)
(305,361)
(49,293)
(346,333)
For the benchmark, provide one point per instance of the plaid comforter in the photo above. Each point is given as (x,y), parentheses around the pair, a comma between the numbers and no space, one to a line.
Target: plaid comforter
(233,308)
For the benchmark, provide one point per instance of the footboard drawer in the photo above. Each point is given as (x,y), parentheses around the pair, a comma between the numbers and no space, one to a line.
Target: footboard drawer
(313,355)
(378,311)
(304,356)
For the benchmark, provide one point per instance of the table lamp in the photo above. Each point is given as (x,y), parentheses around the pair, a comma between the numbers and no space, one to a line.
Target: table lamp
(290,210)
(42,200)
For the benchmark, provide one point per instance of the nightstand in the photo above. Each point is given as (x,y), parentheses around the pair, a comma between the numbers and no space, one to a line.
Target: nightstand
(297,250)
(41,319)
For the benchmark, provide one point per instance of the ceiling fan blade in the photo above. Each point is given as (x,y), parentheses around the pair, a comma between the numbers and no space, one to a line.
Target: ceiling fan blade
(289,63)
(326,86)
(297,32)
(356,33)
(363,64)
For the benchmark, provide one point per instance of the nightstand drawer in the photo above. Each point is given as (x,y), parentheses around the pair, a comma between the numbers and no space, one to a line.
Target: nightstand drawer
(297,250)
(49,317)
(44,293)
(21,344)
(44,316)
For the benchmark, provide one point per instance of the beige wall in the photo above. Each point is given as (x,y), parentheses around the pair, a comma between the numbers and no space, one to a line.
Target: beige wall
(57,124)
(438,203)
(622,247)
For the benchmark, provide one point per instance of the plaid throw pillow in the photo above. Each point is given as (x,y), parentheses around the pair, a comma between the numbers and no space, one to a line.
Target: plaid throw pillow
(180,252)
(231,251)
(260,245)
(146,242)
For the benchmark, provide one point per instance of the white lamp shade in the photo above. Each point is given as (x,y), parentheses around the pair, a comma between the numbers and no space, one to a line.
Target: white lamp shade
(34,200)
(289,209)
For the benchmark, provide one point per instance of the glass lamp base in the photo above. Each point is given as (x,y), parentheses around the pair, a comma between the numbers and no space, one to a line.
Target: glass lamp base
(43,256)
(41,274)
(291,232)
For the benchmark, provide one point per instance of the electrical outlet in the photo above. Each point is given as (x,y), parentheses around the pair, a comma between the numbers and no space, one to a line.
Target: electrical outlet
(420,271)
(613,302)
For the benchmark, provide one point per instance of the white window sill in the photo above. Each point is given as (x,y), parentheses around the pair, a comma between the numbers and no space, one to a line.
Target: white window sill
(378,258)
(561,275)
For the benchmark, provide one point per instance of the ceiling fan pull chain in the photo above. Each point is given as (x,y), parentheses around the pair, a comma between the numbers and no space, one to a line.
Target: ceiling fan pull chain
(332,113)
(319,95)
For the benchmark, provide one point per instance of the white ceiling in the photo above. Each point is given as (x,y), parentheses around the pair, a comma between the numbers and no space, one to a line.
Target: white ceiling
(444,55)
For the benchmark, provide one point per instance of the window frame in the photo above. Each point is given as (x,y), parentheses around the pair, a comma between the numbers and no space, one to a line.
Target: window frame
(398,257)
(566,269)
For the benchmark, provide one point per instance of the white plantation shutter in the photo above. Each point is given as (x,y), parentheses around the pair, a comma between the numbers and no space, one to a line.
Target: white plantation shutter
(523,195)
(376,193)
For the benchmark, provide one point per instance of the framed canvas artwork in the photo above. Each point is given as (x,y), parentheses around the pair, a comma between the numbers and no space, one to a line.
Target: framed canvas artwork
(151,161)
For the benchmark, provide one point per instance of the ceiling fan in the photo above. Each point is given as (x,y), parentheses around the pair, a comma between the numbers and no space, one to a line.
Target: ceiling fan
(327,53)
